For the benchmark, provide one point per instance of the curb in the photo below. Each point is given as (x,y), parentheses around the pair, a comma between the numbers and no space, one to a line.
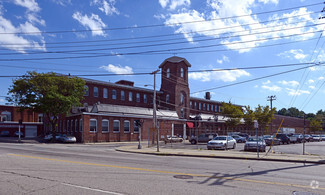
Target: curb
(223,157)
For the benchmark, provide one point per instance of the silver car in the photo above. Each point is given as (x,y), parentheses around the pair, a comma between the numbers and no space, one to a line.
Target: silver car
(222,142)
(252,144)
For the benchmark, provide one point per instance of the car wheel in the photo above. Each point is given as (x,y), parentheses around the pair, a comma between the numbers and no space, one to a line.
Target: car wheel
(193,142)
(234,146)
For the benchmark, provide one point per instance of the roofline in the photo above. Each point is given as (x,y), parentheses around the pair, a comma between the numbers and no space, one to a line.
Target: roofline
(182,59)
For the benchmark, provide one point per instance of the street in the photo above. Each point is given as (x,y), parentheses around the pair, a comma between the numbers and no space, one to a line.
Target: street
(99,169)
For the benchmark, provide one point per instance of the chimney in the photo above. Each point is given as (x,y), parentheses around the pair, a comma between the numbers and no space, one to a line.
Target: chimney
(207,95)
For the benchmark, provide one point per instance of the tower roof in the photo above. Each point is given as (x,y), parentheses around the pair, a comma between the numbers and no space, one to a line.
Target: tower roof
(175,59)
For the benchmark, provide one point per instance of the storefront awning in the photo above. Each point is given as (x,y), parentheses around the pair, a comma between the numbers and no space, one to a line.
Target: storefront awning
(189,124)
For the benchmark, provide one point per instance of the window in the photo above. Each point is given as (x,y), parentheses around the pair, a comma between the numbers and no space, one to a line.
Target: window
(199,106)
(75,125)
(130,97)
(86,90)
(191,104)
(167,98)
(71,126)
(93,125)
(203,106)
(182,72)
(126,126)
(195,105)
(80,125)
(68,129)
(95,91)
(145,98)
(122,95)
(105,125)
(116,126)
(208,107)
(168,73)
(136,127)
(212,108)
(216,108)
(182,113)
(105,93)
(40,118)
(138,97)
(114,94)
(182,98)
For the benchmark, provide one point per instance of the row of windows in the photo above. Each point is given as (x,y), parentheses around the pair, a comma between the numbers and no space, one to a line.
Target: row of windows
(114,94)
(168,73)
(204,106)
(116,126)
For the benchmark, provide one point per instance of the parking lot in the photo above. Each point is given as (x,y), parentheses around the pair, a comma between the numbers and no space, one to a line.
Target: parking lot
(315,148)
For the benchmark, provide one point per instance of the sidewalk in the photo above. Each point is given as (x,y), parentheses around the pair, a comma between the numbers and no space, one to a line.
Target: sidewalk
(225,154)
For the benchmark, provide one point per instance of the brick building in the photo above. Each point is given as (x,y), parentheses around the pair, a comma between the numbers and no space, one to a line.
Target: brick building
(111,110)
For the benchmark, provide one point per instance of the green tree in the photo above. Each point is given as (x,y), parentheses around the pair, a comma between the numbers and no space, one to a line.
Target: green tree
(263,116)
(49,93)
(315,125)
(249,117)
(233,114)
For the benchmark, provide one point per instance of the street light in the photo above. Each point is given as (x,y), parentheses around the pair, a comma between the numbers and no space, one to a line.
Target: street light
(155,108)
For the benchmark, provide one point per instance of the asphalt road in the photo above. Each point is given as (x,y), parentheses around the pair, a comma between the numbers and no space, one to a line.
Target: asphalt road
(99,169)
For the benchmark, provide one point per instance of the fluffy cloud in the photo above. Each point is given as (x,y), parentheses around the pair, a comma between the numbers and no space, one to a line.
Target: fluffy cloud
(62,2)
(173,4)
(224,59)
(266,82)
(274,88)
(108,7)
(289,83)
(311,81)
(293,92)
(225,76)
(118,69)
(31,5)
(297,54)
(94,23)
(311,87)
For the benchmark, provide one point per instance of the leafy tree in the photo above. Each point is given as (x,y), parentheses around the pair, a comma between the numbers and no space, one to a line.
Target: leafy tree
(249,117)
(233,114)
(315,125)
(262,115)
(282,112)
(49,93)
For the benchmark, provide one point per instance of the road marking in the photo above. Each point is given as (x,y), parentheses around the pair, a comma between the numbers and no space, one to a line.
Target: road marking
(168,172)
(93,189)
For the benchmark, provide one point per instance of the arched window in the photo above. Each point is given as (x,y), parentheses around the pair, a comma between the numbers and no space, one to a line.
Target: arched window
(168,73)
(182,98)
(167,98)
(86,90)
(114,94)
(6,116)
(105,93)
(95,91)
(182,72)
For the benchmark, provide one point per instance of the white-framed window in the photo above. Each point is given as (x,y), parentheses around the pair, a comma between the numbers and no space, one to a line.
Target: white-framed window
(80,125)
(86,90)
(135,127)
(105,126)
(122,95)
(114,94)
(168,73)
(138,97)
(130,96)
(126,126)
(40,118)
(116,126)
(93,125)
(182,113)
(105,93)
(182,72)
(145,100)
(167,98)
(95,91)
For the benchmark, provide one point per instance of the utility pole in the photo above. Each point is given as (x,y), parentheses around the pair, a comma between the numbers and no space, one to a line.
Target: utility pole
(304,139)
(155,108)
(271,98)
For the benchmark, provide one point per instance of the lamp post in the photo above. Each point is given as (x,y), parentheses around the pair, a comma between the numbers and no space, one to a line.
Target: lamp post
(155,108)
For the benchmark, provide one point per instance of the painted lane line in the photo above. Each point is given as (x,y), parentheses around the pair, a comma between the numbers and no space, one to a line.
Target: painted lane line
(170,172)
(92,189)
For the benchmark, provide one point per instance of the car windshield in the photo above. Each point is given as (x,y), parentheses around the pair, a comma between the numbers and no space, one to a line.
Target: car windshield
(220,138)
(251,139)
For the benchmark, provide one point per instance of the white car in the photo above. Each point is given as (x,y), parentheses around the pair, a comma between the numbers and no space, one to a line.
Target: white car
(222,142)
(316,138)
(251,144)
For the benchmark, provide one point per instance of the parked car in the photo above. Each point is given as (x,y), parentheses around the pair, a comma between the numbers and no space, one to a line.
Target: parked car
(283,137)
(243,135)
(222,142)
(323,137)
(173,139)
(49,137)
(4,134)
(202,138)
(293,139)
(299,137)
(67,139)
(269,139)
(239,139)
(316,138)
(17,134)
(254,143)
(308,138)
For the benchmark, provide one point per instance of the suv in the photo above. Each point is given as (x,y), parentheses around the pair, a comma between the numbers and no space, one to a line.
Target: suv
(283,137)
(202,138)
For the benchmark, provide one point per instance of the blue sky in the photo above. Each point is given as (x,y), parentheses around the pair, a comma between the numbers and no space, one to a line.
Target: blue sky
(58,35)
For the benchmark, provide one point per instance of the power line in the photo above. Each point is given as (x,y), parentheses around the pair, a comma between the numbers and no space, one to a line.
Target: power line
(160,25)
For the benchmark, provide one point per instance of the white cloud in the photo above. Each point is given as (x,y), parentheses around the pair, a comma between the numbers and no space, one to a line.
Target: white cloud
(173,4)
(108,7)
(289,83)
(297,54)
(311,87)
(62,2)
(118,69)
(293,92)
(311,81)
(224,59)
(274,88)
(321,78)
(225,76)
(266,82)
(31,5)
(94,23)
